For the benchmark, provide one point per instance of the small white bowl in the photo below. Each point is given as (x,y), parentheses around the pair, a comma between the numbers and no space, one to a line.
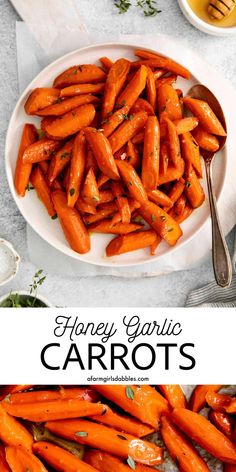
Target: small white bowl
(203,25)
(24,293)
(9,262)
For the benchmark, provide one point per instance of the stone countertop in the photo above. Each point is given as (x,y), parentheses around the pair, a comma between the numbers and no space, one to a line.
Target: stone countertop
(169,290)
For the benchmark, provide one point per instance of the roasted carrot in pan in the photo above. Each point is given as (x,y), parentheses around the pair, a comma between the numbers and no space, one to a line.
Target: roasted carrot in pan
(190,152)
(102,151)
(193,189)
(108,463)
(13,433)
(59,161)
(40,151)
(64,106)
(131,242)
(198,397)
(142,402)
(200,430)
(133,90)
(60,459)
(151,154)
(23,170)
(53,410)
(3,463)
(106,226)
(41,98)
(79,393)
(174,395)
(81,89)
(122,201)
(223,422)
(205,115)
(108,440)
(220,402)
(42,188)
(123,423)
(71,122)
(168,102)
(160,198)
(80,74)
(20,460)
(106,62)
(90,191)
(161,222)
(132,154)
(163,63)
(142,105)
(132,181)
(115,80)
(205,140)
(77,166)
(181,449)
(72,223)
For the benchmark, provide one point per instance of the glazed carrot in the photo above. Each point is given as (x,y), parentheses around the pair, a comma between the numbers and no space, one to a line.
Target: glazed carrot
(102,151)
(102,179)
(142,105)
(53,410)
(106,196)
(177,190)
(163,63)
(131,242)
(72,224)
(80,89)
(123,423)
(168,102)
(104,210)
(90,160)
(77,167)
(205,115)
(205,434)
(133,205)
(220,402)
(106,62)
(115,80)
(122,201)
(106,226)
(21,460)
(198,397)
(151,154)
(193,189)
(84,74)
(44,165)
(184,125)
(179,218)
(161,222)
(134,88)
(60,459)
(84,207)
(41,98)
(138,138)
(132,181)
(132,154)
(206,140)
(173,144)
(43,190)
(190,152)
(172,173)
(40,151)
(151,89)
(13,433)
(66,178)
(127,130)
(155,245)
(114,120)
(160,198)
(164,158)
(3,463)
(71,122)
(89,191)
(79,393)
(180,448)
(108,440)
(158,73)
(13,389)
(108,463)
(174,395)
(64,106)
(171,79)
(22,171)
(223,422)
(59,161)
(142,402)
(180,205)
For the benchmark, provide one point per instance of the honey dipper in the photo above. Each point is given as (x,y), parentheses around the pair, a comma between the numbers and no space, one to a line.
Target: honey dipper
(219,9)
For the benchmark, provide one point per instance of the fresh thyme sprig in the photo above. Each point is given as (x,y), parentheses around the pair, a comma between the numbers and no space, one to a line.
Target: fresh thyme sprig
(122,5)
(149,7)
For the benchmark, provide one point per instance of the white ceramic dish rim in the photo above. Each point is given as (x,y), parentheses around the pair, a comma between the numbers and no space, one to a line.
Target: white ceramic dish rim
(202,25)
(39,297)
(63,249)
(4,242)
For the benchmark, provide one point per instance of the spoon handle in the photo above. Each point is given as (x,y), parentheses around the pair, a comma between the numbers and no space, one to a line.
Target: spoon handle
(220,254)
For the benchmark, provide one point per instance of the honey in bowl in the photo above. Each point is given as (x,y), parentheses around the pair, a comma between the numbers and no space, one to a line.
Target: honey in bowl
(200,8)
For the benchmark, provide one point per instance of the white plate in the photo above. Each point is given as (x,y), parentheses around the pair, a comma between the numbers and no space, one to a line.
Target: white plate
(32,209)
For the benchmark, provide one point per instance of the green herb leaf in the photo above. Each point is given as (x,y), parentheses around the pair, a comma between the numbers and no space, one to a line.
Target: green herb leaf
(121,437)
(131,463)
(54,217)
(122,5)
(125,116)
(29,187)
(81,434)
(41,133)
(153,218)
(129,392)
(72,192)
(7,398)
(131,117)
(58,100)
(187,184)
(64,155)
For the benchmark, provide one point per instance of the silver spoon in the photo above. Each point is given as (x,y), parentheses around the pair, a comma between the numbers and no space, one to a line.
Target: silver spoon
(220,253)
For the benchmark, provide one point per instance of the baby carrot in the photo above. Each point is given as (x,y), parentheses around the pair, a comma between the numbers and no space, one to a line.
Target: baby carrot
(80,74)
(200,430)
(79,393)
(20,460)
(184,125)
(107,226)
(177,190)
(132,154)
(90,191)
(171,79)
(172,173)
(168,102)
(72,122)
(122,201)
(223,422)
(134,88)
(108,440)
(131,242)
(205,115)
(205,140)
(3,463)
(80,89)
(104,210)
(161,222)
(40,151)
(173,143)
(43,190)
(160,198)
(108,463)
(115,80)
(220,402)
(164,158)
(127,130)
(53,410)
(186,212)
(64,106)
(151,154)
(132,181)
(41,98)
(190,152)
(12,432)
(142,105)
(60,459)
(154,60)
(84,207)
(102,151)
(180,448)
(174,395)
(72,224)
(193,189)
(59,161)
(123,423)
(106,62)
(142,402)
(151,89)
(77,167)
(23,170)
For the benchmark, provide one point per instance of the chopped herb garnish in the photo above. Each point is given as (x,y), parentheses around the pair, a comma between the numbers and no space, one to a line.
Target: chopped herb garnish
(163,218)
(121,104)
(187,184)
(81,434)
(170,229)
(122,5)
(104,121)
(130,462)
(72,192)
(153,218)
(163,109)
(125,116)
(51,152)
(137,219)
(29,187)
(41,133)
(54,217)
(7,398)
(58,100)
(64,155)
(129,392)
(121,437)
(131,117)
